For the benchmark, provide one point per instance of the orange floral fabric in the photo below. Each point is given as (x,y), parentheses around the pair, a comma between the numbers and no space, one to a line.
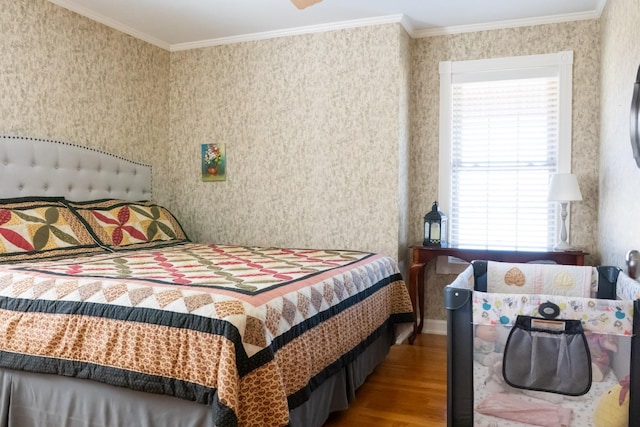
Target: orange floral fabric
(250,356)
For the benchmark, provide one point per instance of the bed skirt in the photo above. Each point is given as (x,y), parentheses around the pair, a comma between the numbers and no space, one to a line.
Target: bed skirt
(44,400)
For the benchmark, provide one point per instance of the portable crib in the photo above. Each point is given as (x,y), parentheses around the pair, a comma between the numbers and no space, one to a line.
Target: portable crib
(605,304)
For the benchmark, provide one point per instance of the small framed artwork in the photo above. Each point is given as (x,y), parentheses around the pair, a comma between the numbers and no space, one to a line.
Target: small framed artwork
(214,162)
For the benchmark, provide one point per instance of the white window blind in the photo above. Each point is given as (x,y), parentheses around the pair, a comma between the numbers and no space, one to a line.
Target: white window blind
(505,127)
(504,147)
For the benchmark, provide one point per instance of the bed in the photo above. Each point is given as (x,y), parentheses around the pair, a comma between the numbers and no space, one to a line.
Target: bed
(110,316)
(502,369)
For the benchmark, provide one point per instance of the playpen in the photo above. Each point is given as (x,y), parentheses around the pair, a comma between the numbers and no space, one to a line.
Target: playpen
(542,344)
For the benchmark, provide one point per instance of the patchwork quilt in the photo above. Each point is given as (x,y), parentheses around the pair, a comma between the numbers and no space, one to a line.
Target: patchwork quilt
(249,331)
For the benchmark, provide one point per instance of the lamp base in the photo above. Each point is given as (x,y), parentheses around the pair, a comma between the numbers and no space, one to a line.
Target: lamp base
(563,247)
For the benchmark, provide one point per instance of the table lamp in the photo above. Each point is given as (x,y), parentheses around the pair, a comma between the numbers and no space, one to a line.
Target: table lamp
(564,188)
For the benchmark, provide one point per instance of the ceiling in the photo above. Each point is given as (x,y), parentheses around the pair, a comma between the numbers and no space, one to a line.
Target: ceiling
(186,24)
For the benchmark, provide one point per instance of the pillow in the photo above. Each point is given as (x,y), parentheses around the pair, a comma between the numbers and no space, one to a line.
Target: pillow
(41,227)
(123,225)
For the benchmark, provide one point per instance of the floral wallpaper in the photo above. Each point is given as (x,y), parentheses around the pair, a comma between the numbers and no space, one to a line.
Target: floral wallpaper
(582,38)
(331,138)
(316,134)
(65,77)
(404,153)
(619,228)
(315,126)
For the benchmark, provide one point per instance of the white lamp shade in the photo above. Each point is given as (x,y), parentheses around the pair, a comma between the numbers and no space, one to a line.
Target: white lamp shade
(564,188)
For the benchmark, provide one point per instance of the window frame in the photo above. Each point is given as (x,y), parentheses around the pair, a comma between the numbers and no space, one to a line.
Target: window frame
(504,68)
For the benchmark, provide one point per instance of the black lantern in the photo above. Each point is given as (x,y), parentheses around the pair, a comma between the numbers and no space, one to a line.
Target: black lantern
(435,228)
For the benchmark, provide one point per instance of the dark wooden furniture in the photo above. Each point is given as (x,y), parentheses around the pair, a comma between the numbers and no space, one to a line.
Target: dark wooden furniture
(423,255)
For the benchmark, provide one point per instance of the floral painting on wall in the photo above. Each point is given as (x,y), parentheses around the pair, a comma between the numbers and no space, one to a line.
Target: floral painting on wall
(214,162)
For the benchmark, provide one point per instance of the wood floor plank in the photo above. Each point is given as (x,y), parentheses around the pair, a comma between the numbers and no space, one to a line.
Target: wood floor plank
(409,389)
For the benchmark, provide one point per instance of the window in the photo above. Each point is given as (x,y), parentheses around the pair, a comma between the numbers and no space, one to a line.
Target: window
(505,127)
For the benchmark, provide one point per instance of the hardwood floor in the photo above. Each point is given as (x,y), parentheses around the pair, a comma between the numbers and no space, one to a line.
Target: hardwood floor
(407,390)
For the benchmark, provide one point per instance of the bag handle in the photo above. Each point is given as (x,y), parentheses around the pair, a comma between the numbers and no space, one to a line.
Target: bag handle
(549,310)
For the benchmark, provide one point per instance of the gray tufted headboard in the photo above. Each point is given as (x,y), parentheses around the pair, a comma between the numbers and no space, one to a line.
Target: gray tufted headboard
(38,167)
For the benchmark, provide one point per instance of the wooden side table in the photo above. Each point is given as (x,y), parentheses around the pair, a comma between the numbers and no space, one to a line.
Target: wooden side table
(423,255)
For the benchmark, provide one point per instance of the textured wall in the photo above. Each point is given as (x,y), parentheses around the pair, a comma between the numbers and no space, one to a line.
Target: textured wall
(313,131)
(582,38)
(404,120)
(319,128)
(316,126)
(619,227)
(68,78)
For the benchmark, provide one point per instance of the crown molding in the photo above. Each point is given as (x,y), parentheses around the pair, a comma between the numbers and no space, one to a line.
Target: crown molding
(514,23)
(381,20)
(72,6)
(321,28)
(600,7)
(408,26)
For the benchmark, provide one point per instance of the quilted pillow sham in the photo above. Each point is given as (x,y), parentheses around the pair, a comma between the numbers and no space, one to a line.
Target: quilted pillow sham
(124,225)
(41,228)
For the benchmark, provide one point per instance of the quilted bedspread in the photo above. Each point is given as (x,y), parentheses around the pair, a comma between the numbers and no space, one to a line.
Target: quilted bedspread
(246,330)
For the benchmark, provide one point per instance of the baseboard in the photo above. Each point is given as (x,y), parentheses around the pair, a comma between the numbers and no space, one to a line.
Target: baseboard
(436,327)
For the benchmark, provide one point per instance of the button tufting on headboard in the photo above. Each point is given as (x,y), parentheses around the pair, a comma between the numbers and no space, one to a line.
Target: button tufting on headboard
(37,167)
